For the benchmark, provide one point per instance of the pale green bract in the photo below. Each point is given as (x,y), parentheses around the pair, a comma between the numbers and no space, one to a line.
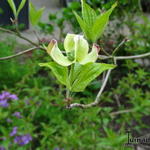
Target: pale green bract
(76,48)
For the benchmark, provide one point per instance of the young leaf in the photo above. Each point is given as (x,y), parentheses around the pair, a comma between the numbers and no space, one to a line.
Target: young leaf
(100,24)
(35,15)
(13,7)
(88,14)
(82,75)
(21,6)
(83,25)
(93,25)
(60,72)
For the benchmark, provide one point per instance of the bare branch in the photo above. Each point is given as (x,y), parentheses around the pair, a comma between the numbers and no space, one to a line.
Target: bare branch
(6,30)
(122,43)
(103,57)
(97,99)
(26,39)
(20,53)
(117,100)
(132,57)
(121,112)
(19,35)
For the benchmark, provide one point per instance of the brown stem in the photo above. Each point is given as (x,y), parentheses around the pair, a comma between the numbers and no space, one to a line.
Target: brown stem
(121,112)
(20,53)
(19,35)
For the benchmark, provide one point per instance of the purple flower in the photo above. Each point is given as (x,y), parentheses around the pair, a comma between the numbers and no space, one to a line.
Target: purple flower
(17,114)
(14,131)
(3,103)
(2,148)
(13,97)
(58,148)
(5,96)
(23,139)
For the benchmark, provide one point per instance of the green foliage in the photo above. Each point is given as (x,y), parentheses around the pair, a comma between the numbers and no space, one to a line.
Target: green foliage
(21,6)
(123,7)
(58,127)
(80,75)
(59,71)
(13,7)
(91,24)
(35,15)
(12,71)
(41,101)
(140,38)
(59,19)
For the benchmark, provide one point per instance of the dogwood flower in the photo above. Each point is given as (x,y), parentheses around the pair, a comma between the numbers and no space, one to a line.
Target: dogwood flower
(76,49)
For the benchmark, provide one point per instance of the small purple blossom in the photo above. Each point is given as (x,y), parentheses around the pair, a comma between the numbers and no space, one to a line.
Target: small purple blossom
(5,97)
(22,139)
(2,148)
(4,103)
(58,148)
(13,97)
(14,131)
(17,114)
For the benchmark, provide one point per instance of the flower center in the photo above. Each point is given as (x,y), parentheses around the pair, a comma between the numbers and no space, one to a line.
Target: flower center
(71,56)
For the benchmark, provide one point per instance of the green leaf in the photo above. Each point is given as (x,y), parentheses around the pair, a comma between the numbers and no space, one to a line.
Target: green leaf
(91,24)
(21,6)
(83,25)
(13,7)
(60,72)
(81,75)
(35,15)
(100,24)
(88,14)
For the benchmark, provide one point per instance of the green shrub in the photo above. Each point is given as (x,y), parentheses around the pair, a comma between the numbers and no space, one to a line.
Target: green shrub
(13,70)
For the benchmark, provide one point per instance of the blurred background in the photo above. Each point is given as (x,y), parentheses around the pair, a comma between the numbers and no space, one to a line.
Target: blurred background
(40,107)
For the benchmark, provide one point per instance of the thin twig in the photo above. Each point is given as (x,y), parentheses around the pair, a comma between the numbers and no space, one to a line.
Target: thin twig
(26,39)
(107,54)
(117,100)
(132,57)
(103,57)
(6,30)
(19,35)
(97,99)
(117,48)
(121,112)
(20,53)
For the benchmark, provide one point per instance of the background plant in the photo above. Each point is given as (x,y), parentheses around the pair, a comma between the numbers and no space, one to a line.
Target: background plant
(124,105)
